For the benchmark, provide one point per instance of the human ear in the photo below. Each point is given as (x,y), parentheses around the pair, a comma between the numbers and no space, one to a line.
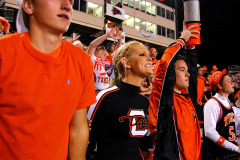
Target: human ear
(220,86)
(27,6)
(125,63)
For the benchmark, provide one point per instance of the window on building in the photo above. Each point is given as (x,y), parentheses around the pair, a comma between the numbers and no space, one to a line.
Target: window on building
(143,5)
(170,15)
(160,11)
(140,24)
(115,2)
(83,6)
(129,20)
(76,5)
(153,9)
(131,3)
(137,4)
(80,5)
(148,7)
(125,2)
(170,33)
(151,27)
(161,30)
(94,9)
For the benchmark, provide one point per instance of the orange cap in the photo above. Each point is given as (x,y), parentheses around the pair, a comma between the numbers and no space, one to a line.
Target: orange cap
(215,78)
(215,68)
(152,49)
(6,24)
(204,69)
(236,95)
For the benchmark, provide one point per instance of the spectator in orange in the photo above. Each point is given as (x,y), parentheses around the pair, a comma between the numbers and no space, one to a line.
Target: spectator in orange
(153,53)
(214,69)
(200,92)
(172,117)
(204,69)
(4,26)
(111,47)
(46,85)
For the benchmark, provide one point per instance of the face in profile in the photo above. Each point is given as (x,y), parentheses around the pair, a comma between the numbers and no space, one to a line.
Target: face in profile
(227,85)
(140,61)
(112,48)
(182,75)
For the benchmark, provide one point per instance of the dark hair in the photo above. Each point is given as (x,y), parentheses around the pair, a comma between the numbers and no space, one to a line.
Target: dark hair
(109,45)
(180,57)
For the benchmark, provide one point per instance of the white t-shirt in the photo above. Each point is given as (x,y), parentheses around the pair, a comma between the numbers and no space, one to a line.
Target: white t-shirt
(236,110)
(101,78)
(211,115)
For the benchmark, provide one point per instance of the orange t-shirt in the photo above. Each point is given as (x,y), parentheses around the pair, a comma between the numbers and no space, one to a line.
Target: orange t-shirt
(109,57)
(38,97)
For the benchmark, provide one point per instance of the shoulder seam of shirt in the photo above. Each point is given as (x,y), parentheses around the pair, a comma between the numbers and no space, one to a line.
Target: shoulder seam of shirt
(219,105)
(93,108)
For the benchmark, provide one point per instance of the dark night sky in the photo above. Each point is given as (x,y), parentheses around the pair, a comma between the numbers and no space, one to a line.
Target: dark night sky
(219,32)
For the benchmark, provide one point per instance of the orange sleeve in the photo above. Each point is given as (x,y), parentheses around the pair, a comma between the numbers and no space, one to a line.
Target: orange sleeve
(88,96)
(161,67)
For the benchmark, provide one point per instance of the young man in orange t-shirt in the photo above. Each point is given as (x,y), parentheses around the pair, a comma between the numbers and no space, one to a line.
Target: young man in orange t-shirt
(46,85)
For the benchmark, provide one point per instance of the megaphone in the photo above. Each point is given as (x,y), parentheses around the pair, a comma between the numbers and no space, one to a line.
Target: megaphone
(192,17)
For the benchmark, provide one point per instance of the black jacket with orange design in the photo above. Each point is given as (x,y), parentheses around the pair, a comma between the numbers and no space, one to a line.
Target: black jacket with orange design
(119,122)
(169,112)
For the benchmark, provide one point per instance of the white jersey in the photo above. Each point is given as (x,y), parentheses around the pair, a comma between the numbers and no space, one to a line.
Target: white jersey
(236,110)
(212,113)
(101,78)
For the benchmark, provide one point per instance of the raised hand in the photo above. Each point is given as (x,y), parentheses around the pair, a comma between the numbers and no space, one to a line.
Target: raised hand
(112,34)
(188,33)
(118,34)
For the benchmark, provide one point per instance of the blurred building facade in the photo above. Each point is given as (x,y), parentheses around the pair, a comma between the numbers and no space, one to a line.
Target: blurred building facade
(148,21)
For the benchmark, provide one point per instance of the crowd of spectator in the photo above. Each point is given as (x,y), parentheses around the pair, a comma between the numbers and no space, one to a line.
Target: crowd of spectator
(136,93)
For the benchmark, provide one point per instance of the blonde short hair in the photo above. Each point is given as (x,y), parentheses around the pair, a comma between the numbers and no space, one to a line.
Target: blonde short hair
(125,50)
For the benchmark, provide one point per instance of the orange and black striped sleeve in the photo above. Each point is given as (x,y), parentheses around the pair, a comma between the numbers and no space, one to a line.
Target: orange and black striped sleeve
(162,66)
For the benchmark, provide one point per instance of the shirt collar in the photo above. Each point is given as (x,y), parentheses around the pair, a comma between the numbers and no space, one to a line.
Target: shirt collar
(128,87)
(221,97)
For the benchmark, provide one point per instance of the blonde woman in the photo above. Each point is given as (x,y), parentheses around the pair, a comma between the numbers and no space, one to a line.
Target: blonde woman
(119,117)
